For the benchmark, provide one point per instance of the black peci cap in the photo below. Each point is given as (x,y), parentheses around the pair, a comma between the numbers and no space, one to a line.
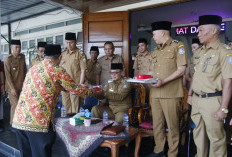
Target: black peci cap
(15,42)
(210,19)
(52,50)
(161,25)
(41,44)
(142,40)
(70,36)
(116,66)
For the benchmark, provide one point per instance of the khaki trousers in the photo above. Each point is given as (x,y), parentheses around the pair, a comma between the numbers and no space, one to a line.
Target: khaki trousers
(97,112)
(13,103)
(71,102)
(166,109)
(207,127)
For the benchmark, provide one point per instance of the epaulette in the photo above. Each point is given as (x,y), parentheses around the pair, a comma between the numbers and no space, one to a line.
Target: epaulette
(110,80)
(101,57)
(21,54)
(175,41)
(226,46)
(81,52)
(65,50)
(10,55)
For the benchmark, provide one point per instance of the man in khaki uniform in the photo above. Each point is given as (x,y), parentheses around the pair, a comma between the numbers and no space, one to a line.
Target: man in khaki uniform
(103,70)
(210,91)
(170,62)
(74,62)
(190,69)
(118,92)
(92,63)
(15,72)
(143,63)
(40,51)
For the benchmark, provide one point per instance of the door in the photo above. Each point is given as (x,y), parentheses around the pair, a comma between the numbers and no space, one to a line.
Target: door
(108,26)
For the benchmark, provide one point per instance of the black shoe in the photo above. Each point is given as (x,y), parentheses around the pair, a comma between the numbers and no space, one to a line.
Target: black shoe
(160,154)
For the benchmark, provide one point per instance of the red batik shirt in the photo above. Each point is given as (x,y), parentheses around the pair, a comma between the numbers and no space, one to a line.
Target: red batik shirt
(41,89)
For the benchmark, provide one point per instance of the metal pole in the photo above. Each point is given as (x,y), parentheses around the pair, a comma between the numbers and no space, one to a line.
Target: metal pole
(9,36)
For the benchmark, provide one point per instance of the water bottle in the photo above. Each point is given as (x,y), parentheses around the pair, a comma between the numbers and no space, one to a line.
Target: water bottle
(126,120)
(82,111)
(105,117)
(63,111)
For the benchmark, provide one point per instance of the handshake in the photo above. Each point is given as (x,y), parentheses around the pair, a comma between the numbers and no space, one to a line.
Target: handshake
(95,90)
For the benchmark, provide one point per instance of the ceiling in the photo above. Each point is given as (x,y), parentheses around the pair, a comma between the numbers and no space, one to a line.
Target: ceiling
(15,10)
(91,6)
(142,11)
(187,12)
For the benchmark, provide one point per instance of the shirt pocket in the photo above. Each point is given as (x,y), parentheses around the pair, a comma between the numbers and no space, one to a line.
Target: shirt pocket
(169,56)
(74,65)
(14,67)
(196,60)
(210,65)
(154,59)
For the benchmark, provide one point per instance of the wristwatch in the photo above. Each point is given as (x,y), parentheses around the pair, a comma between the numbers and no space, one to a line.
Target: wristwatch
(224,110)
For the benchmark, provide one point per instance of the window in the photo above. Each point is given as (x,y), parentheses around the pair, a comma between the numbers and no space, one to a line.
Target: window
(75,21)
(21,32)
(59,39)
(40,39)
(24,45)
(56,25)
(79,37)
(32,43)
(1,48)
(36,29)
(49,40)
(6,48)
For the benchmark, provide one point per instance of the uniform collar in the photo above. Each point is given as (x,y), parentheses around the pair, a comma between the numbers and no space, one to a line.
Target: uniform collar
(19,56)
(73,51)
(145,54)
(119,81)
(214,45)
(106,58)
(168,42)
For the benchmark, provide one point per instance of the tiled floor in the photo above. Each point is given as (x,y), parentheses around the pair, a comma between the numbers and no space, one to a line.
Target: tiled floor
(58,150)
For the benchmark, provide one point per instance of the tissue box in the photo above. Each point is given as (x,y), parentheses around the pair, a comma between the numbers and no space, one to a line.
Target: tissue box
(75,121)
(144,76)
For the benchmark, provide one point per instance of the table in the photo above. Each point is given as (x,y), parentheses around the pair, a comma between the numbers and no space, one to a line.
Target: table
(81,141)
(114,144)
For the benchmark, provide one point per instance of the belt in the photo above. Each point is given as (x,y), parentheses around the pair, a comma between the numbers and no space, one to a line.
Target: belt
(209,94)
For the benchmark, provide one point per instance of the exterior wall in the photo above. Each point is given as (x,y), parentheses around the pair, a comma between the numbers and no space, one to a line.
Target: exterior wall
(46,22)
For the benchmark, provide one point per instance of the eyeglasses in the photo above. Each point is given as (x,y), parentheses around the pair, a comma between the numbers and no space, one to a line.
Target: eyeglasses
(114,73)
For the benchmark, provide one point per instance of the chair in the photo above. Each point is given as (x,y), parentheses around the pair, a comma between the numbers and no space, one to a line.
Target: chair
(138,102)
(145,119)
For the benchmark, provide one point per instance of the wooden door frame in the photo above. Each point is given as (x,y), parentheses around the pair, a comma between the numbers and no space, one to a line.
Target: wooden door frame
(126,33)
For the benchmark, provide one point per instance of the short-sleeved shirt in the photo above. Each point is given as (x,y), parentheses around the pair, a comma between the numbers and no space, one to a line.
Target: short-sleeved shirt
(212,65)
(34,61)
(15,71)
(166,59)
(118,94)
(73,63)
(190,69)
(105,65)
(90,72)
(143,63)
